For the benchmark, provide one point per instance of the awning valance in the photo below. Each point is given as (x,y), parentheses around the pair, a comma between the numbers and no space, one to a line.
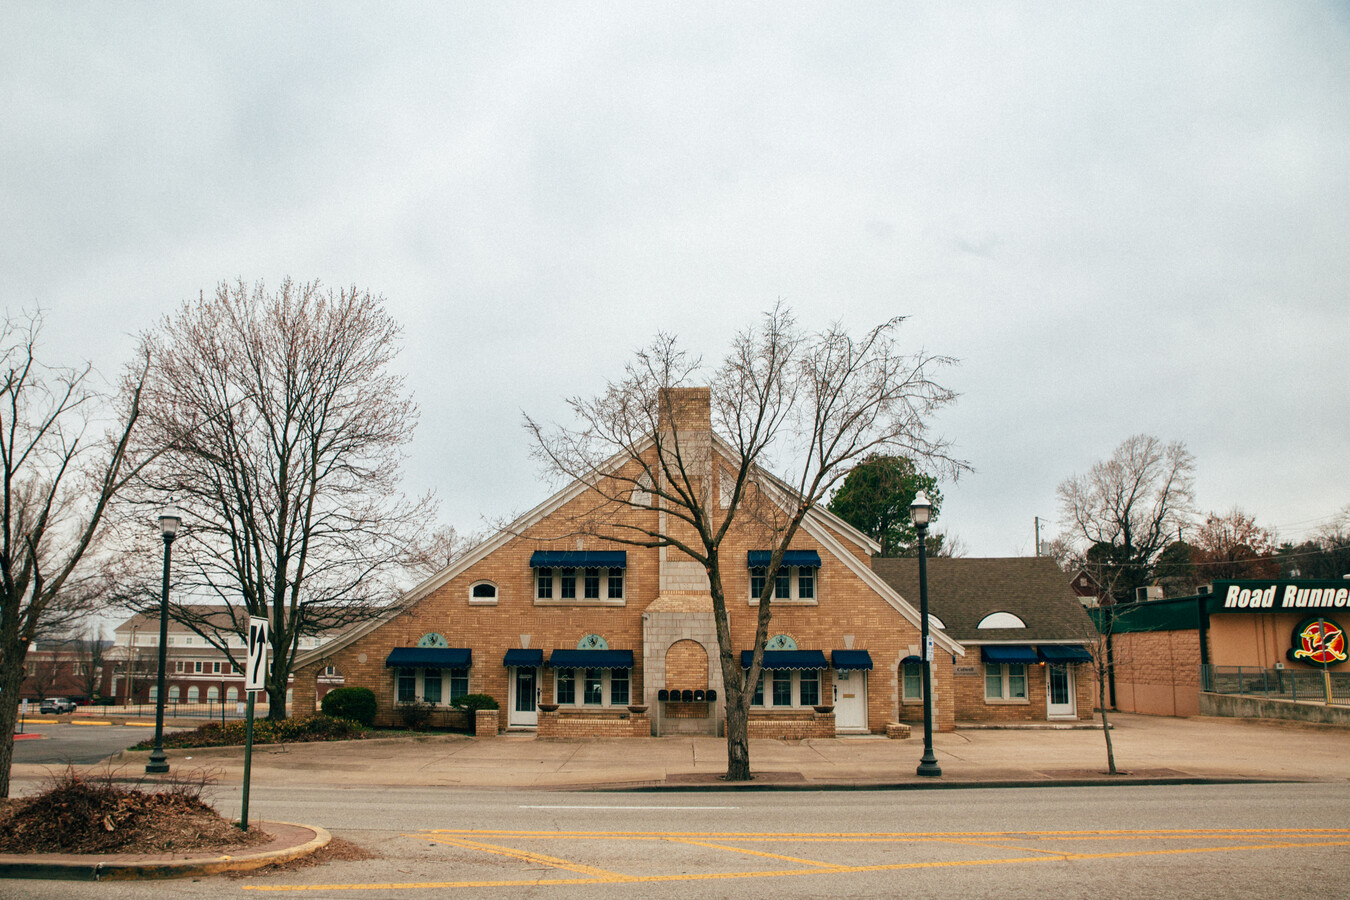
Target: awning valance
(591,659)
(1060,653)
(787,659)
(1009,653)
(806,559)
(851,660)
(521,657)
(579,559)
(429,658)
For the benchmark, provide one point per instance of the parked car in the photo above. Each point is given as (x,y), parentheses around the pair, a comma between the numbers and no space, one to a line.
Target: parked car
(57,705)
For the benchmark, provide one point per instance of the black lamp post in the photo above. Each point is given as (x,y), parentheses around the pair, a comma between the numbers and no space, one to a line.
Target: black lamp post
(169,520)
(919,511)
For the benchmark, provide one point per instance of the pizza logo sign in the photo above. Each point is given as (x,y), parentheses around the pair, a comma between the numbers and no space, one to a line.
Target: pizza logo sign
(1318,641)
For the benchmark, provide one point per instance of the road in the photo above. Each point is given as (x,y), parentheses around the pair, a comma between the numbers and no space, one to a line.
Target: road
(1230,841)
(80,744)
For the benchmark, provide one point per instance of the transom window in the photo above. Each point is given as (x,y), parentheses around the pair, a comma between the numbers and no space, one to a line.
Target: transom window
(1005,681)
(483,592)
(1001,620)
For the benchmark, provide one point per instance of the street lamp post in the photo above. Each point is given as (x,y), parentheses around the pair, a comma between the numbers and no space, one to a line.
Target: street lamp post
(169,520)
(919,511)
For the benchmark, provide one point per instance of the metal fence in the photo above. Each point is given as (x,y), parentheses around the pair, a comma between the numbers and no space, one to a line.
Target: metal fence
(216,710)
(1298,685)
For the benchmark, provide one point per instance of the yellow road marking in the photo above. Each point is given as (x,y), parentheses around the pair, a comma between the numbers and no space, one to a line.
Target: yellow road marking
(460,838)
(529,856)
(795,859)
(87,722)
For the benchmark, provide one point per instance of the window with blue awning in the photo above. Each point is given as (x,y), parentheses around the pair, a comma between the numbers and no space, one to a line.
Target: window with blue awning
(787,659)
(851,660)
(579,559)
(591,659)
(1059,653)
(429,658)
(1009,653)
(805,559)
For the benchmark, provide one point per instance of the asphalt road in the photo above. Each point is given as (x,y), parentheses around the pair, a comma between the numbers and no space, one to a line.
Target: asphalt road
(80,744)
(1230,841)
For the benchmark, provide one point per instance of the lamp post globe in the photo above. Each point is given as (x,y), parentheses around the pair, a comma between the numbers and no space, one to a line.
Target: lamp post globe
(169,520)
(920,511)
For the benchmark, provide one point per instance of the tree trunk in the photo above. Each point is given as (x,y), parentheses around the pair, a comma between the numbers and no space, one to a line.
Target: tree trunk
(738,742)
(11,677)
(276,703)
(1106,724)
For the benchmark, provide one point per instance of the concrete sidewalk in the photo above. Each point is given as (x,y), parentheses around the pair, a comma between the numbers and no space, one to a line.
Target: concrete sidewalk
(1147,748)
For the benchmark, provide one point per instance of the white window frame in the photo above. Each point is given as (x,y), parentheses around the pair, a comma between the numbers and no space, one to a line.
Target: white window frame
(608,577)
(448,679)
(1005,683)
(606,689)
(764,691)
(794,575)
(483,601)
(917,695)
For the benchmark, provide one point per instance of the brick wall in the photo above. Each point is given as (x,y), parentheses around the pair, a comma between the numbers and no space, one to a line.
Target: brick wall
(568,724)
(794,725)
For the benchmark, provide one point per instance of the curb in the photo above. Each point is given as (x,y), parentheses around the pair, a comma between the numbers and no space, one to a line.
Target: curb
(91,867)
(935,785)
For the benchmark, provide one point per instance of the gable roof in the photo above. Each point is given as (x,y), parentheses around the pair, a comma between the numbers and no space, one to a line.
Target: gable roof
(961,592)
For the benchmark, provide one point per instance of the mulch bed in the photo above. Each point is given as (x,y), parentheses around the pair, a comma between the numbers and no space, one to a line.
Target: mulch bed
(78,815)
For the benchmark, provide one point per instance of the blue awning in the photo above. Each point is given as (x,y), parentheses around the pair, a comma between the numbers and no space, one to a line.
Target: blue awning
(429,658)
(851,660)
(520,657)
(787,659)
(806,559)
(591,659)
(1060,653)
(579,559)
(1010,653)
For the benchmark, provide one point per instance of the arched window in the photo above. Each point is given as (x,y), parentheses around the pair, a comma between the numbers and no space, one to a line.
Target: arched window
(232,695)
(213,694)
(173,693)
(935,622)
(193,694)
(484,592)
(1001,620)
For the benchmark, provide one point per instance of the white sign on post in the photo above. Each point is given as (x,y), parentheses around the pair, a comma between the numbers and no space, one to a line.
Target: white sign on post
(928,649)
(256,672)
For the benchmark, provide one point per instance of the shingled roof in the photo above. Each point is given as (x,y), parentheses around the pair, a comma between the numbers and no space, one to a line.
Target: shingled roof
(961,592)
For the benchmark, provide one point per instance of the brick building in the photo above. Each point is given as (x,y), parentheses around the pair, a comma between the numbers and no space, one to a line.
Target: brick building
(575,635)
(196,671)
(1024,629)
(73,668)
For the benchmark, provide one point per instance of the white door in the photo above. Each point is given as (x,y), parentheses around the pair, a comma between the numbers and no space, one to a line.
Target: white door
(1059,699)
(524,696)
(850,701)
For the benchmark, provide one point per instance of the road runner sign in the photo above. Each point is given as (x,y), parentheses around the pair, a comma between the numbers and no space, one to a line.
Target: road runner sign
(256,671)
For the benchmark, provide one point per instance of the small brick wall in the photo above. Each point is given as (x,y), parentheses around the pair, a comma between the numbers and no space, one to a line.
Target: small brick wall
(485,723)
(591,724)
(794,725)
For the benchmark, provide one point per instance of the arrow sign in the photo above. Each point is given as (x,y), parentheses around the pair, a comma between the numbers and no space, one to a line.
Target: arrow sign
(256,672)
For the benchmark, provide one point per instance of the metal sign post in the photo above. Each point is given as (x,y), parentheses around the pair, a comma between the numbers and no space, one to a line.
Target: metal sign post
(255,677)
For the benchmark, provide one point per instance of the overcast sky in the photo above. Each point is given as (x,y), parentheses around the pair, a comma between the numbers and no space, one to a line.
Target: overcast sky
(1122,218)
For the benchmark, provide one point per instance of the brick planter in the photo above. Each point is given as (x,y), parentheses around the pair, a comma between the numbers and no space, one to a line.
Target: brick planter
(485,723)
(593,723)
(794,725)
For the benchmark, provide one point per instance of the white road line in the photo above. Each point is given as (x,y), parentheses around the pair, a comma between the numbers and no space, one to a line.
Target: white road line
(630,807)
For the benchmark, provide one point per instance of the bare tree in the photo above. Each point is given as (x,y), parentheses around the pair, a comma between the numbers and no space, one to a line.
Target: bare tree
(1126,509)
(46,671)
(815,404)
(60,471)
(90,657)
(285,427)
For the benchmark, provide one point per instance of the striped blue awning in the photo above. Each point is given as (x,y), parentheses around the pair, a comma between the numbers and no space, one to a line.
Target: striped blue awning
(806,559)
(787,659)
(579,559)
(591,659)
(429,658)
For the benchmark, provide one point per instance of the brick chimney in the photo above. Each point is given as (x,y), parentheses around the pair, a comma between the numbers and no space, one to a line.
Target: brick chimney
(689,408)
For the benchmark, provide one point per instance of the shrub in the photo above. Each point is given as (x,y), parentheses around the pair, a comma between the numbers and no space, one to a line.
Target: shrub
(355,703)
(265,731)
(415,714)
(471,703)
